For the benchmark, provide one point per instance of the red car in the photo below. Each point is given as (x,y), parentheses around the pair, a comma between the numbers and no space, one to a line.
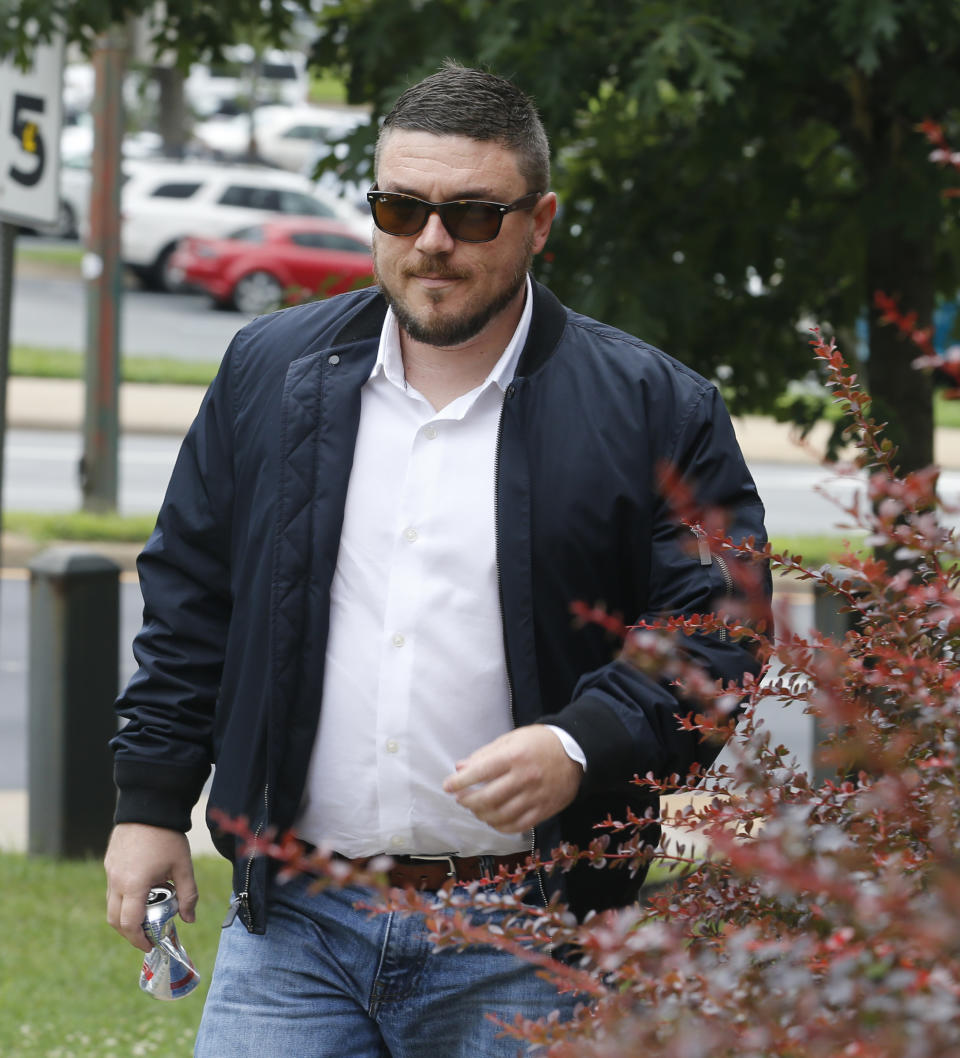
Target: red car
(277,262)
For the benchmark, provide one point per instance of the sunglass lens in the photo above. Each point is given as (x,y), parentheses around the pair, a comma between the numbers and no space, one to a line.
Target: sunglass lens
(471,221)
(399,215)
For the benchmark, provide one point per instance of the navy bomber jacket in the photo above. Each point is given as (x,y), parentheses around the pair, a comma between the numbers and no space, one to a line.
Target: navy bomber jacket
(236,576)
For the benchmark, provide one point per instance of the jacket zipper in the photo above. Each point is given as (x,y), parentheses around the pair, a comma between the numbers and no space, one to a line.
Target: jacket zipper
(706,559)
(503,623)
(243,899)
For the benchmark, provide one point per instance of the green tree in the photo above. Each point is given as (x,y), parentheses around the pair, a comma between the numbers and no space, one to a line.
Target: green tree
(189,29)
(727,171)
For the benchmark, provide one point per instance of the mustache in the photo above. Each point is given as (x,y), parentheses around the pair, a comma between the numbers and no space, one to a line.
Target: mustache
(435,268)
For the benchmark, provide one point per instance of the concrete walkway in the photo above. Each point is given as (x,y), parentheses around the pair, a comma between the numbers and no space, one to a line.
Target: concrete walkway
(58,404)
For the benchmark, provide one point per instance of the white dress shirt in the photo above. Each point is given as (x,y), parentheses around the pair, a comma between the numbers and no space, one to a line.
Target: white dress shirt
(415,675)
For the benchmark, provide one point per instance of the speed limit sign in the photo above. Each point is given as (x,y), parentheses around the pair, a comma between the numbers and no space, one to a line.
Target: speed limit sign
(31,113)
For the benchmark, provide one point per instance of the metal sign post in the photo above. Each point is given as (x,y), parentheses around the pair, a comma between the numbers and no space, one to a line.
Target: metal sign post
(31,113)
(8,238)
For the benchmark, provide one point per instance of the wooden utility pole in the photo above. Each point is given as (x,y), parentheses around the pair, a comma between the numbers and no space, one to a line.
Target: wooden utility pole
(103,272)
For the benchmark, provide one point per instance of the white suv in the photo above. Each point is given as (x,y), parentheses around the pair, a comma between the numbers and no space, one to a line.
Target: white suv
(164,201)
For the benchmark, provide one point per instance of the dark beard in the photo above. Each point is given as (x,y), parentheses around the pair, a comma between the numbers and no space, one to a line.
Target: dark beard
(446,333)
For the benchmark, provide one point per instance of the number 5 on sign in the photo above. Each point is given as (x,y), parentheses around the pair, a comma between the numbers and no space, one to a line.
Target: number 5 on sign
(30,119)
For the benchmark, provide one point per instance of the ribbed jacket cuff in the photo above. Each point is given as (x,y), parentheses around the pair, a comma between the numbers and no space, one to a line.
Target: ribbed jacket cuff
(158,796)
(604,739)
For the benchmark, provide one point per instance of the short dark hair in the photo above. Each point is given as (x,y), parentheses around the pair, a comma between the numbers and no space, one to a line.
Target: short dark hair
(459,101)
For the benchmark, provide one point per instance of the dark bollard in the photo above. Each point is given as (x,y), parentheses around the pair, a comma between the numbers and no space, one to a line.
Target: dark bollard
(828,619)
(73,652)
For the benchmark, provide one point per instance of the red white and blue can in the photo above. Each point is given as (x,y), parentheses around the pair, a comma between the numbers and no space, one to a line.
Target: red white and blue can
(167,971)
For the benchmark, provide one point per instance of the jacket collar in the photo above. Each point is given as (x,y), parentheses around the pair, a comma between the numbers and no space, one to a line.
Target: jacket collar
(546,327)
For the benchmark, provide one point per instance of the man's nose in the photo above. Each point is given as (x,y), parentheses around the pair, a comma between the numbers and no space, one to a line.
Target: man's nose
(434,237)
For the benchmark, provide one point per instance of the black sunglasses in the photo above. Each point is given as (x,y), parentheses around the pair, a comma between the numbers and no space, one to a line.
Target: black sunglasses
(468,219)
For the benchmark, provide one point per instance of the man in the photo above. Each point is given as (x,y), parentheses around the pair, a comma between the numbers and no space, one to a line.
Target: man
(357,601)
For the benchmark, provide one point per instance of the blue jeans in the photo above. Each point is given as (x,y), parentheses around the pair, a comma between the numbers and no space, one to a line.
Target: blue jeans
(330,981)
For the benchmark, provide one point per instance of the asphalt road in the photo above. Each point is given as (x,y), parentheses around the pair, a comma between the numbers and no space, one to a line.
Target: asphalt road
(41,471)
(805,500)
(174,325)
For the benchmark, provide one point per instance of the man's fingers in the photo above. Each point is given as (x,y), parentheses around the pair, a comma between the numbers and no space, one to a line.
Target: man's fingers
(186,892)
(126,909)
(509,804)
(126,914)
(114,914)
(479,767)
(512,816)
(487,796)
(482,803)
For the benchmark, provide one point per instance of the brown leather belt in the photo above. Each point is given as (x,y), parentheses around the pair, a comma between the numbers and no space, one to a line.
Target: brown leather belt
(429,873)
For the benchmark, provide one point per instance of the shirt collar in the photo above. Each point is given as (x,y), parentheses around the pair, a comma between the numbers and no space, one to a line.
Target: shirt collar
(390,361)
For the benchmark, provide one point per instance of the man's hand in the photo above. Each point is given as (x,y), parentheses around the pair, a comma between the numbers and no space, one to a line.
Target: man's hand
(516,781)
(138,858)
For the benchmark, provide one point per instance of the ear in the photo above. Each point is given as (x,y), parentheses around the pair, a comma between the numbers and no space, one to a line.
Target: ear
(543,214)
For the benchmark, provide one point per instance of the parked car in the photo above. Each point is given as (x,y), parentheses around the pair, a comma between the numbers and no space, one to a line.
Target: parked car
(277,262)
(76,141)
(74,208)
(224,87)
(288,137)
(164,201)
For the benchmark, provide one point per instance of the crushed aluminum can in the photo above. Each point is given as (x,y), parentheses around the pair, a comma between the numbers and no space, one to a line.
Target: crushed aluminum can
(167,972)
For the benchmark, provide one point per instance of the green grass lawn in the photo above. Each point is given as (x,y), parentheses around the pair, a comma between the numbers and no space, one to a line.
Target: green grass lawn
(58,258)
(79,526)
(815,549)
(69,984)
(326,88)
(946,412)
(31,362)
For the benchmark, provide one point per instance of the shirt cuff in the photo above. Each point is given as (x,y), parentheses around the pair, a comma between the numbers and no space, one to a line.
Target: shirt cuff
(570,745)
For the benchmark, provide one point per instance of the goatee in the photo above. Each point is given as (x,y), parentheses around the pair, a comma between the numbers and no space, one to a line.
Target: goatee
(446,331)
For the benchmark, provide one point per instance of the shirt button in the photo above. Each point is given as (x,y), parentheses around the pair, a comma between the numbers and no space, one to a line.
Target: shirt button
(411,534)
(398,640)
(430,432)
(392,745)
(396,841)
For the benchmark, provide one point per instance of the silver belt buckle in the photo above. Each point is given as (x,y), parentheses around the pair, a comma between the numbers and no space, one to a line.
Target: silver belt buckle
(451,865)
